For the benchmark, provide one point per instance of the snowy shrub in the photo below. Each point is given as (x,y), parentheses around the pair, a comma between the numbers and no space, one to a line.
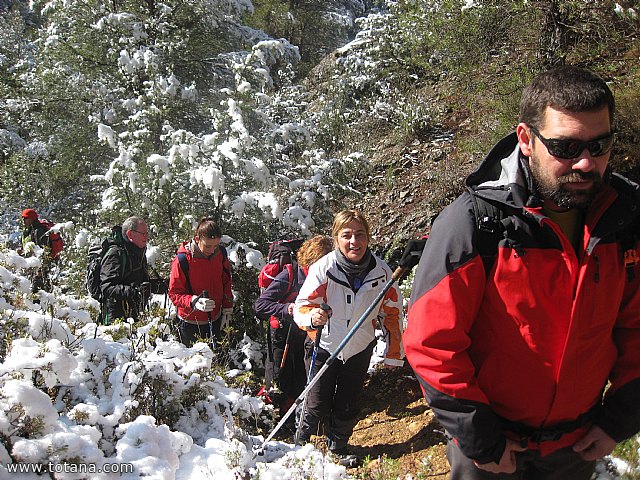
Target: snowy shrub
(88,397)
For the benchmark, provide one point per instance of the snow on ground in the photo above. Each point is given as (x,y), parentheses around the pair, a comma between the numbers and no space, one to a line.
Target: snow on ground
(78,398)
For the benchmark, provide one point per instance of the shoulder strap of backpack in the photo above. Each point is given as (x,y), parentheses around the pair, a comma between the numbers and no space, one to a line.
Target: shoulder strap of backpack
(184,265)
(292,278)
(124,260)
(490,228)
(225,256)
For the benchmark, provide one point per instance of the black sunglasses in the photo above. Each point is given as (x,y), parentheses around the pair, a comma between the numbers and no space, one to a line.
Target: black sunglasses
(570,148)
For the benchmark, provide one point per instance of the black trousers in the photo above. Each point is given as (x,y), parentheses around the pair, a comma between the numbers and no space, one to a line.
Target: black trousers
(334,399)
(189,333)
(292,377)
(563,464)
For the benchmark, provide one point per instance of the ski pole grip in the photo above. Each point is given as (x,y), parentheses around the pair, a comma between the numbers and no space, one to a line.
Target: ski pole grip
(204,294)
(316,342)
(327,309)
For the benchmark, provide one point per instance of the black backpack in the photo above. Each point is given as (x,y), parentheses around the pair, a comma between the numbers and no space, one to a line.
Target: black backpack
(97,250)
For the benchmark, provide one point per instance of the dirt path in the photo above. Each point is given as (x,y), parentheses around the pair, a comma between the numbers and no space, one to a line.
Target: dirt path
(397,434)
(397,431)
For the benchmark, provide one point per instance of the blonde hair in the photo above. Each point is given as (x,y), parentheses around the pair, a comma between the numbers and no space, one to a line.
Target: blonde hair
(313,250)
(345,217)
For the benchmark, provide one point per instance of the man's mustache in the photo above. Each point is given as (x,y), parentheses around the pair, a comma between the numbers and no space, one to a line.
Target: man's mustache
(580,176)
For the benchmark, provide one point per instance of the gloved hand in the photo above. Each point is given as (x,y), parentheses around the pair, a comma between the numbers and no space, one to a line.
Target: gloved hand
(203,304)
(274,322)
(132,293)
(225,320)
(145,291)
(412,253)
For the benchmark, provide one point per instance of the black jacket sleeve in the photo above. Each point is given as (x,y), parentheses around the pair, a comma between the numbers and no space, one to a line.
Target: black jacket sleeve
(620,417)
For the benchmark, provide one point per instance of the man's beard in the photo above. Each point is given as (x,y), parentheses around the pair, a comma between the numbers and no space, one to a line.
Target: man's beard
(553,188)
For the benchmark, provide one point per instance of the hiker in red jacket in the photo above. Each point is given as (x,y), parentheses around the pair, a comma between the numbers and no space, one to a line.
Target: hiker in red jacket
(36,231)
(530,359)
(200,285)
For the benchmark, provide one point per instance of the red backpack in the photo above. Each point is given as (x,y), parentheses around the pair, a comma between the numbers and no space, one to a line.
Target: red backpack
(289,295)
(55,239)
(281,253)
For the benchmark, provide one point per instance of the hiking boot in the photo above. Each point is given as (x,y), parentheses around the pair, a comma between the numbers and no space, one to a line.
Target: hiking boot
(344,457)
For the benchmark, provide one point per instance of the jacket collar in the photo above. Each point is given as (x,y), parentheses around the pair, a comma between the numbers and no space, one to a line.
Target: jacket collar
(504,176)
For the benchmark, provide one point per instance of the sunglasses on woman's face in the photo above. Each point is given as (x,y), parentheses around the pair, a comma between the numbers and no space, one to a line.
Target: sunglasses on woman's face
(569,148)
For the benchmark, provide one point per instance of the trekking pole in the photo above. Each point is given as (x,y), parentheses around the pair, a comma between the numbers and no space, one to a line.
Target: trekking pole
(312,367)
(205,294)
(405,266)
(286,346)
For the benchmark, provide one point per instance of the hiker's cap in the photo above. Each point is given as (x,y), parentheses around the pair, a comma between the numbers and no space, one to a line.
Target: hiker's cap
(29,213)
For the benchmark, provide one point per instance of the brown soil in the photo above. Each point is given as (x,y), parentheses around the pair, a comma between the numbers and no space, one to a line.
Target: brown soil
(397,434)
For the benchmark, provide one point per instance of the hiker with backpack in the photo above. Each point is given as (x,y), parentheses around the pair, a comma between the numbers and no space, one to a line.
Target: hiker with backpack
(38,231)
(339,289)
(200,285)
(285,358)
(531,361)
(124,277)
(281,253)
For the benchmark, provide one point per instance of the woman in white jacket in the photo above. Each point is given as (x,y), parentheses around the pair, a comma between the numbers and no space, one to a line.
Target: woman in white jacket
(347,280)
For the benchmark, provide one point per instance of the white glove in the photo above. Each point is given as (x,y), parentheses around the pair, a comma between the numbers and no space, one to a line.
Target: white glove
(203,304)
(225,320)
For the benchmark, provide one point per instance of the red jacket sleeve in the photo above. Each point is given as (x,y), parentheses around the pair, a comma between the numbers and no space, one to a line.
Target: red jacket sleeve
(446,297)
(178,291)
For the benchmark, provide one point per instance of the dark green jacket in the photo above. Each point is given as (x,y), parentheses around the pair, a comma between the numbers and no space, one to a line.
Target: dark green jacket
(124,268)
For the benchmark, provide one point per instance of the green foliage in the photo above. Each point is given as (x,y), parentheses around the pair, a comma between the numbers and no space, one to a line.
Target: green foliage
(477,56)
(382,469)
(317,27)
(274,17)
(626,158)
(629,451)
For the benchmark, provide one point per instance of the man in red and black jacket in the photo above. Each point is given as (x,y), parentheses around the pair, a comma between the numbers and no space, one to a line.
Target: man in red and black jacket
(514,360)
(200,285)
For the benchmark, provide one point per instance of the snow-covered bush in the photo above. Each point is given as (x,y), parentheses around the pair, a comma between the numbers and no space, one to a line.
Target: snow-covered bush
(86,396)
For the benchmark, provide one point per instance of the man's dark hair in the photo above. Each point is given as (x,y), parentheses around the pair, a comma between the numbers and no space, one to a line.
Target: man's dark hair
(567,87)
(208,228)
